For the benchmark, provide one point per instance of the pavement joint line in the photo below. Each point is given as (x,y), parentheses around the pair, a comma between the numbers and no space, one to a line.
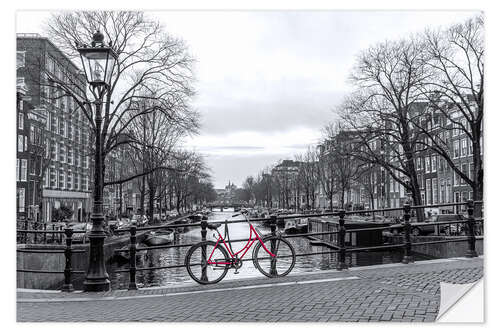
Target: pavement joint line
(111,298)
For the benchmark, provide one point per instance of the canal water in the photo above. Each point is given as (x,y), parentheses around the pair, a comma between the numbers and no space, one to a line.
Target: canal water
(175,256)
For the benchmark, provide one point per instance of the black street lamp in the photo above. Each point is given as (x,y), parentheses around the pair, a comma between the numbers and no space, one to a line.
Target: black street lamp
(98,61)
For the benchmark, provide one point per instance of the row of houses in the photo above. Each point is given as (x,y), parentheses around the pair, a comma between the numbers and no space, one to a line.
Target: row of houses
(374,187)
(53,144)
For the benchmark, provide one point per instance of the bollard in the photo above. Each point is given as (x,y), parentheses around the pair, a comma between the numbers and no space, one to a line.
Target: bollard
(341,242)
(132,268)
(471,237)
(407,258)
(68,286)
(272,224)
(204,223)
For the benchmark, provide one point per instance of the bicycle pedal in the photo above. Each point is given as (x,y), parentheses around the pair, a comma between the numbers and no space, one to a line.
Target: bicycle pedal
(236,272)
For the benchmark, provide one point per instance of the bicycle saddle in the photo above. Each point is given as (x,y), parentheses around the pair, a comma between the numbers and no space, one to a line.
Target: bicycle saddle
(213,226)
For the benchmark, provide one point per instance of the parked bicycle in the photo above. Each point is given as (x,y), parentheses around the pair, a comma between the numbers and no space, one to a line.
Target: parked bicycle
(209,261)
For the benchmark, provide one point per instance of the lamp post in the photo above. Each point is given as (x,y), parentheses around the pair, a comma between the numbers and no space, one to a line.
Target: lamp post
(98,61)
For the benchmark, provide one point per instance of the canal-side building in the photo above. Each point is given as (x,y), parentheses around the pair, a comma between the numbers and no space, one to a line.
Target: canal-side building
(22,155)
(66,135)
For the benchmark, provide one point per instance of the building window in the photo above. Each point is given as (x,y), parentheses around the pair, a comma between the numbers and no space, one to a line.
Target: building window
(456,149)
(25,143)
(434,191)
(419,163)
(20,121)
(62,153)
(69,181)
(427,164)
(20,59)
(70,156)
(17,170)
(464,147)
(457,196)
(56,125)
(32,166)
(53,178)
(76,182)
(428,191)
(32,134)
(46,179)
(443,191)
(455,178)
(61,127)
(448,190)
(465,171)
(434,163)
(22,196)
(470,147)
(24,170)
(20,143)
(471,171)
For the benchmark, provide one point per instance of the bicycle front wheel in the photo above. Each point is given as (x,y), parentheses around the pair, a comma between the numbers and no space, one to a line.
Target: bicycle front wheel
(278,265)
(207,262)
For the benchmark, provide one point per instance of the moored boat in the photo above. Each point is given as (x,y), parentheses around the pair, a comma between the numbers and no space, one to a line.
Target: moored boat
(296,226)
(155,238)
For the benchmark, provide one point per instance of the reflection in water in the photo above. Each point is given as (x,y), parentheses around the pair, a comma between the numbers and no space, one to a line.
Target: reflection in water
(175,256)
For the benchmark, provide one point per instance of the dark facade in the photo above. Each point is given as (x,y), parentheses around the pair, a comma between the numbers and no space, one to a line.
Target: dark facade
(65,139)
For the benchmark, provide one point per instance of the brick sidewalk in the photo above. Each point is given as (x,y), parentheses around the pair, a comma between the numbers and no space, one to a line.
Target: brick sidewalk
(379,293)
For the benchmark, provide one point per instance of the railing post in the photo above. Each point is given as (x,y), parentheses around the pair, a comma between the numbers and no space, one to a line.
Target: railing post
(204,223)
(68,286)
(60,235)
(53,234)
(35,227)
(132,285)
(341,242)
(45,233)
(26,232)
(407,258)
(272,224)
(471,237)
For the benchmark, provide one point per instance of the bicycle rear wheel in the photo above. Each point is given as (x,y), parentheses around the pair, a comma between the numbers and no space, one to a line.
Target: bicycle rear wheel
(279,265)
(205,271)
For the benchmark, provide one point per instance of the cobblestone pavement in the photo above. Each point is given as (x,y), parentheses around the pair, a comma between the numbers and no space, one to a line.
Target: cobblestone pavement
(394,292)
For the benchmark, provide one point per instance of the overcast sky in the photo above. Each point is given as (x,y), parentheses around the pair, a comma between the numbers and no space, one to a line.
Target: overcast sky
(268,80)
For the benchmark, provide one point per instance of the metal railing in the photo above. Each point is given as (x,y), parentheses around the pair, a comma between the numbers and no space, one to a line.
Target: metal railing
(339,248)
(65,234)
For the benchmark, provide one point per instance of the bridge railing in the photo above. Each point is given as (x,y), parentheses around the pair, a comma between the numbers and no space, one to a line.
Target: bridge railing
(57,236)
(473,232)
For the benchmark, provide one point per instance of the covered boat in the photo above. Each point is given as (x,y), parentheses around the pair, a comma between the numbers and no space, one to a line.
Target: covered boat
(155,238)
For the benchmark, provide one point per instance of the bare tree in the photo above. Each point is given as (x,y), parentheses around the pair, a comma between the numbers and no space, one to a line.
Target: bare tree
(455,93)
(308,176)
(345,166)
(148,58)
(388,77)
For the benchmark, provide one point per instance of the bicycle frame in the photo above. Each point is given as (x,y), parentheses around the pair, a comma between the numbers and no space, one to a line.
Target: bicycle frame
(245,248)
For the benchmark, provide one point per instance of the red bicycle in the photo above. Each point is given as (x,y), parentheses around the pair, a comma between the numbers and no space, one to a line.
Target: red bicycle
(208,262)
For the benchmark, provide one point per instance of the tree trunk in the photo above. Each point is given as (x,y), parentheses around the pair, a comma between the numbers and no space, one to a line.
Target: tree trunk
(151,200)
(121,200)
(143,194)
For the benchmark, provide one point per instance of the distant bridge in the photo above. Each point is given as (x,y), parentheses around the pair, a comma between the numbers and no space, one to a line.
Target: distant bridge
(225,204)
